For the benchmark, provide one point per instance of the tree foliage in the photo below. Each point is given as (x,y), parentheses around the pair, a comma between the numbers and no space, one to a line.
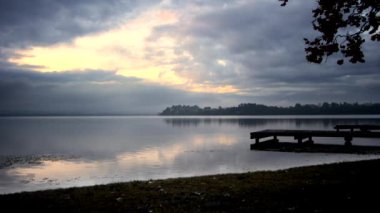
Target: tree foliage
(344,26)
(259,109)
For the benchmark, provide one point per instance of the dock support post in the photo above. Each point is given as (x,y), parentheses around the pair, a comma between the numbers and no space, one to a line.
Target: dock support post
(307,139)
(257,140)
(310,141)
(299,140)
(253,146)
(348,141)
(275,139)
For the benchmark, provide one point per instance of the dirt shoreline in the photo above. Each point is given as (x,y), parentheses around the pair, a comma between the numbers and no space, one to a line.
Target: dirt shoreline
(349,186)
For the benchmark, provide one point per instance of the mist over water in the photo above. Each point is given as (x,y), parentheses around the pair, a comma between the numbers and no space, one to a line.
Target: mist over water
(54,152)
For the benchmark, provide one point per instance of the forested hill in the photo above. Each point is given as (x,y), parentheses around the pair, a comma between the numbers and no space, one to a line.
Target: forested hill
(259,109)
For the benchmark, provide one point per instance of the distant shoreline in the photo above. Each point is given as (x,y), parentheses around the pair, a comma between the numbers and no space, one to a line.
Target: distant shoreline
(260,109)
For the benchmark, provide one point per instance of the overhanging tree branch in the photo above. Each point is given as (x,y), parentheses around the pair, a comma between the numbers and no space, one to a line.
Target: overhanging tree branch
(343,26)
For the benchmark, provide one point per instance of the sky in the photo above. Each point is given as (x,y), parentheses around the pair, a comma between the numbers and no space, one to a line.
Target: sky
(134,57)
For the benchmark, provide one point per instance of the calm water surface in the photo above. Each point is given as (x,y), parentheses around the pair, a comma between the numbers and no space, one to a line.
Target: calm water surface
(54,152)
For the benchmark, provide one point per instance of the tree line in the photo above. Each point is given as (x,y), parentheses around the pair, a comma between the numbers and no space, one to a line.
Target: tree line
(260,109)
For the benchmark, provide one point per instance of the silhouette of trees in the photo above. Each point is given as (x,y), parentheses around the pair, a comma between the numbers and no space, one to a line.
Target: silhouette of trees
(259,109)
(344,26)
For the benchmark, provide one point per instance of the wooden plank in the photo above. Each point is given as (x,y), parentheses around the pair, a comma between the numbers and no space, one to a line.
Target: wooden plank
(312,133)
(316,148)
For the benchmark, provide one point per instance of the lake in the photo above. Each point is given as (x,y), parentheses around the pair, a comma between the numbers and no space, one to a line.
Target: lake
(54,152)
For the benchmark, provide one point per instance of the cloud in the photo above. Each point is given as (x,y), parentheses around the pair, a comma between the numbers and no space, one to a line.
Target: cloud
(44,22)
(262,50)
(242,34)
(126,49)
(89,92)
(147,55)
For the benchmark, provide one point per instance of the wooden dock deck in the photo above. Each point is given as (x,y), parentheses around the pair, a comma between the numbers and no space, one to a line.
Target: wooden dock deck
(306,136)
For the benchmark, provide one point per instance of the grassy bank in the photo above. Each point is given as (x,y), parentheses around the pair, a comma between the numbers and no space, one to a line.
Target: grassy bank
(343,187)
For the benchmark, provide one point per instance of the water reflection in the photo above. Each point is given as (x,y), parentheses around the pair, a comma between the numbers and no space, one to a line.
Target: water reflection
(112,149)
(285,121)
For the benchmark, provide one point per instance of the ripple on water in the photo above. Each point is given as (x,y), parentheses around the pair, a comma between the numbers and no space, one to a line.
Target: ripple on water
(12,160)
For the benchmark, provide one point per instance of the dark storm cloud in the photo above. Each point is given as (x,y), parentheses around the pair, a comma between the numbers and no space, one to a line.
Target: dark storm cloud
(89,92)
(253,36)
(31,77)
(180,4)
(24,22)
(262,44)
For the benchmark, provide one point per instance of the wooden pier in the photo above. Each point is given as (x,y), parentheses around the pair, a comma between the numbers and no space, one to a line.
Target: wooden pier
(347,132)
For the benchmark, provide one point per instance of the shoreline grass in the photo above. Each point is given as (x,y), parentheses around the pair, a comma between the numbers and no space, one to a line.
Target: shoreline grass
(339,187)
